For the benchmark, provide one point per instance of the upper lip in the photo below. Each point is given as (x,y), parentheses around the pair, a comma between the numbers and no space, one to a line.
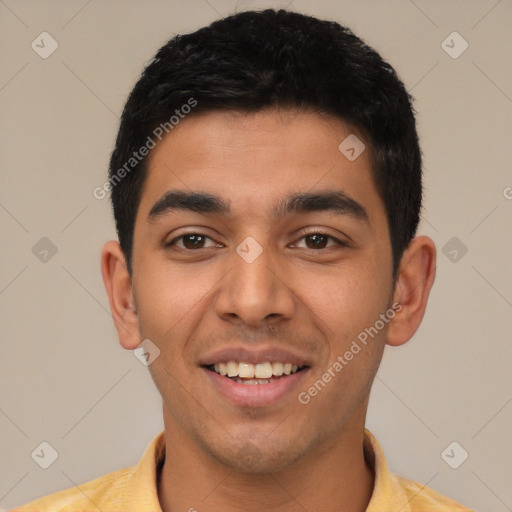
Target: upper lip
(256,355)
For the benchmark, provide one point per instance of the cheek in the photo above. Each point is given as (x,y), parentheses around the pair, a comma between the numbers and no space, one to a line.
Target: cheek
(345,303)
(347,299)
(167,297)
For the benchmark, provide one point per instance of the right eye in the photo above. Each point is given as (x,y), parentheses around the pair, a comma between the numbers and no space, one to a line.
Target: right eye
(190,241)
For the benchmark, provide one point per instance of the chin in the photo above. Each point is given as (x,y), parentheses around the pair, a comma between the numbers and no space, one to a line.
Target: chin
(253,457)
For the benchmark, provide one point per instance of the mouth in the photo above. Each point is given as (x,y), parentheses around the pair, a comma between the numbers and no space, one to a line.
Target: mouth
(257,378)
(256,385)
(255,374)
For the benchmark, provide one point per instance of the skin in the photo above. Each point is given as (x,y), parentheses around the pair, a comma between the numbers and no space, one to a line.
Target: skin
(283,456)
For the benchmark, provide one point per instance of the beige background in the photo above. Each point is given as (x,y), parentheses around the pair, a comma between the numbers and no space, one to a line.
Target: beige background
(64,378)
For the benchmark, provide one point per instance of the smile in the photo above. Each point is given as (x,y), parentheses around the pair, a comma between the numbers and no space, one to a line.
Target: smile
(260,373)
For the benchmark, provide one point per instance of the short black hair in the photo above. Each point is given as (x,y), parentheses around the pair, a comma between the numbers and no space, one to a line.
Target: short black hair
(255,60)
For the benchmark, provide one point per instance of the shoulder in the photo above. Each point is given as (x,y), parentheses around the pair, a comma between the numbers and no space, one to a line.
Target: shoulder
(103,493)
(133,488)
(423,499)
(394,492)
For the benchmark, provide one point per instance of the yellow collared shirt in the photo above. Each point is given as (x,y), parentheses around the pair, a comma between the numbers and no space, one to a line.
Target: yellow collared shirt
(135,489)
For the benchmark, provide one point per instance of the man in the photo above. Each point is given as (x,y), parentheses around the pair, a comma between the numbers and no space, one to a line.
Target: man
(266,186)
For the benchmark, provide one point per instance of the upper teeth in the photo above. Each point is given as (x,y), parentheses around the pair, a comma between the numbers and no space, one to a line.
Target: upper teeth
(260,370)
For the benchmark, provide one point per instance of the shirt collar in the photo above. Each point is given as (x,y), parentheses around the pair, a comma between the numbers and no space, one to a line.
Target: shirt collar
(388,494)
(141,494)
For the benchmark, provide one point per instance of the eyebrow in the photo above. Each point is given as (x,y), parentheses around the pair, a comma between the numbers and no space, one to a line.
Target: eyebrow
(301,202)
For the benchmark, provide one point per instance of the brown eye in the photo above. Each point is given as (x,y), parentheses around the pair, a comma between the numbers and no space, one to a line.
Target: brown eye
(193,241)
(190,241)
(317,241)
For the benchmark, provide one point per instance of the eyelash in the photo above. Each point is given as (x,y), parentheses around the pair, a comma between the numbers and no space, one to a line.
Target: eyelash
(303,235)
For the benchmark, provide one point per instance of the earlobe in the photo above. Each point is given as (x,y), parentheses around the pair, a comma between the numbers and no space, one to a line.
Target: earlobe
(415,278)
(118,285)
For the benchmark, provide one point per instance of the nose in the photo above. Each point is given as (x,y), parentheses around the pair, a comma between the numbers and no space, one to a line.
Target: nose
(255,293)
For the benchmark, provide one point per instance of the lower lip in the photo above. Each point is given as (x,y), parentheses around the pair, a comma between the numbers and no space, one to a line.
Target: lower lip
(256,395)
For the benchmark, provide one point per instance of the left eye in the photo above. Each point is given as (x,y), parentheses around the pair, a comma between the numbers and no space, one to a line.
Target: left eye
(319,240)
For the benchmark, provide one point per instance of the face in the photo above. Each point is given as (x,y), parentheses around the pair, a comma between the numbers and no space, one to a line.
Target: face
(259,246)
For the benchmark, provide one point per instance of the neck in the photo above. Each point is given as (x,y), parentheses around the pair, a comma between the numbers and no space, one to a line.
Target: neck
(332,477)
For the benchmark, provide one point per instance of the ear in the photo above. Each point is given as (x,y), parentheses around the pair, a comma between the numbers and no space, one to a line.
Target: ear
(415,278)
(119,289)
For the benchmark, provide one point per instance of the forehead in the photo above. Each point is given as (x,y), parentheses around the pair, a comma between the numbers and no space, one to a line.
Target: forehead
(253,160)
